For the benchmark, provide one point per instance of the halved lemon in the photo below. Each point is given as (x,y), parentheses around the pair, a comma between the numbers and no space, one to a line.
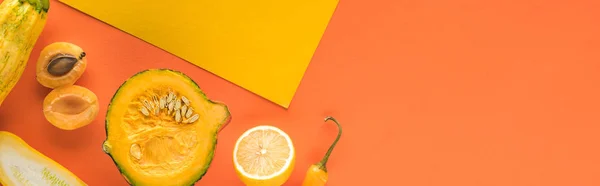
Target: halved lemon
(264,155)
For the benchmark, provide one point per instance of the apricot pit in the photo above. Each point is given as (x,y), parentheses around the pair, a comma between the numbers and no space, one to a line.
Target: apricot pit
(60,64)
(71,107)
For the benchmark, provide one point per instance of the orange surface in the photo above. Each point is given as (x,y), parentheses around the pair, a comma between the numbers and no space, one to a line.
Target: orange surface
(465,93)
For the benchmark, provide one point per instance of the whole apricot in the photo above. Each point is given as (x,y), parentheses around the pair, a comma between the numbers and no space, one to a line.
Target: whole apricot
(70,107)
(60,64)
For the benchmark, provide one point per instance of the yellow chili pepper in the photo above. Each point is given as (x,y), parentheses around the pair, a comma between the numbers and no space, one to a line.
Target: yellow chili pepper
(317,173)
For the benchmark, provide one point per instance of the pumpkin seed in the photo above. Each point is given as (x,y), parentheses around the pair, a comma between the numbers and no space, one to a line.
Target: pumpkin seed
(155,99)
(162,102)
(135,151)
(177,104)
(177,117)
(179,108)
(185,100)
(193,118)
(170,97)
(189,112)
(171,105)
(147,104)
(183,110)
(144,111)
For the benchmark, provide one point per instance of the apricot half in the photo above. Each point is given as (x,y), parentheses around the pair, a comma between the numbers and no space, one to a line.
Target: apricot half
(70,107)
(60,64)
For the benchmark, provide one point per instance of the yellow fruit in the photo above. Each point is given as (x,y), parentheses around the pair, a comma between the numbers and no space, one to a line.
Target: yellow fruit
(60,64)
(264,156)
(71,107)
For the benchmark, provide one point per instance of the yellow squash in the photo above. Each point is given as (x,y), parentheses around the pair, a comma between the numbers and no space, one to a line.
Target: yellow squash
(21,23)
(20,164)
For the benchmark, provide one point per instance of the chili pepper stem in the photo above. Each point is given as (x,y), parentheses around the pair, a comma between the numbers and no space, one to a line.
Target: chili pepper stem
(323,163)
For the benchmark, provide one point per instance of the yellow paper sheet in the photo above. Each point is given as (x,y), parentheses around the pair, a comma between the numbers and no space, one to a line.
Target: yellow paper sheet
(263,46)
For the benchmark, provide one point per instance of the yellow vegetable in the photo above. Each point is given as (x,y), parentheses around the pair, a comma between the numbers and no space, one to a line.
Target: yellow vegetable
(317,175)
(21,23)
(20,164)
(162,129)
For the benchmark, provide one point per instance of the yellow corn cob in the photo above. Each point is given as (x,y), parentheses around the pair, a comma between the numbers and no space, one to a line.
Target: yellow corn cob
(21,23)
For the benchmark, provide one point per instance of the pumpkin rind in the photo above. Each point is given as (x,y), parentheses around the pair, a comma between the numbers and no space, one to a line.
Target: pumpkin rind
(191,146)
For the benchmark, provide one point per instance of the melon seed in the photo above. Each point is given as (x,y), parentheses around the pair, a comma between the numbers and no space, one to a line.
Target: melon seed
(61,64)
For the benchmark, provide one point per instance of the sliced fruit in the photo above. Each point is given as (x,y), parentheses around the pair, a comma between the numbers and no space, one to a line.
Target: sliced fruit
(162,129)
(20,164)
(264,155)
(21,23)
(60,64)
(71,107)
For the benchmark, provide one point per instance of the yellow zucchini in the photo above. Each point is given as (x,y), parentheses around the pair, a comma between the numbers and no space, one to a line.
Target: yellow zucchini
(20,164)
(21,23)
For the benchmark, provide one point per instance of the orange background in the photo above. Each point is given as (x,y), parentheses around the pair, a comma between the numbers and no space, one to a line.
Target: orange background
(429,93)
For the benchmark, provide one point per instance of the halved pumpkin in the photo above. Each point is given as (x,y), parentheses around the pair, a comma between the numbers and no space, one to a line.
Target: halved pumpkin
(162,129)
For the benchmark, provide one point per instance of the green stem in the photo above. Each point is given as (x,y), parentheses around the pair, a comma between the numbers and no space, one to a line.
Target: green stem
(323,163)
(43,5)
